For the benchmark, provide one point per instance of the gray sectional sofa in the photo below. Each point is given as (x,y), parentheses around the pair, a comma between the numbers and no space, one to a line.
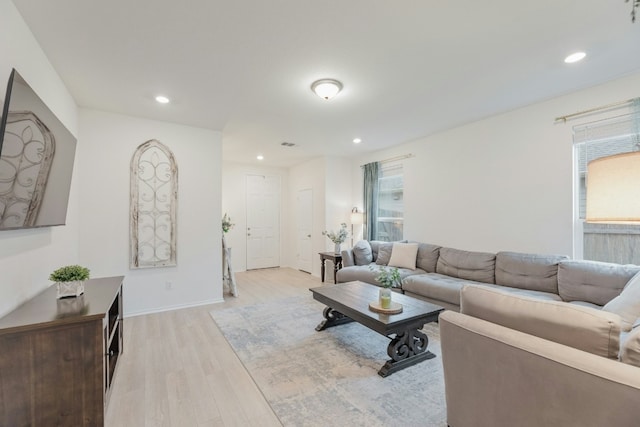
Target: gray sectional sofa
(441,273)
(528,339)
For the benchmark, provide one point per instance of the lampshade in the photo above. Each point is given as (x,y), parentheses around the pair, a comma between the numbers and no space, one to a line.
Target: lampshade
(613,189)
(326,88)
(356,218)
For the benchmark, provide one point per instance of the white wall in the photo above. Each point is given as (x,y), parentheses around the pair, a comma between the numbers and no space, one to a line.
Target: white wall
(108,143)
(502,183)
(338,197)
(27,257)
(234,203)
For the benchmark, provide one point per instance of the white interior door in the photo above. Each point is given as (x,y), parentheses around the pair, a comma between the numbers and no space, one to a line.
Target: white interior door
(304,231)
(263,221)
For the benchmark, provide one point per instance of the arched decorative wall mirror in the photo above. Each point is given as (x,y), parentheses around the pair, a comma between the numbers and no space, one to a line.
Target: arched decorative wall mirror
(154,197)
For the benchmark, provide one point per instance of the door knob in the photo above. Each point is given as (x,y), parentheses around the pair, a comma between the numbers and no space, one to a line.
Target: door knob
(308,235)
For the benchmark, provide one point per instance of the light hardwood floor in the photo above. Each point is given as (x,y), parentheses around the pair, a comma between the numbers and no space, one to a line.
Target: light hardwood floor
(177,369)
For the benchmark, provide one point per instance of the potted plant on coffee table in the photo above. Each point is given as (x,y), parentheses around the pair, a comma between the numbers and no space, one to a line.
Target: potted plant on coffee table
(388,277)
(70,280)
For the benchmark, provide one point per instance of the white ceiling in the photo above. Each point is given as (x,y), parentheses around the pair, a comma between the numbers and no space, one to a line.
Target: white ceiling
(410,68)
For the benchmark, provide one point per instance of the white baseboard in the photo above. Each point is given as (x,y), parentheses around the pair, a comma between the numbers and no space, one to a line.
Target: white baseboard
(173,307)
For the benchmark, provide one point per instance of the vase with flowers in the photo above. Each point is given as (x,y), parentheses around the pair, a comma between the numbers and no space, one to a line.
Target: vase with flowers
(338,237)
(226,223)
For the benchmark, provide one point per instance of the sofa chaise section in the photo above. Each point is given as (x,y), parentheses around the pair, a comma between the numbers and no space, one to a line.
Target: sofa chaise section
(514,360)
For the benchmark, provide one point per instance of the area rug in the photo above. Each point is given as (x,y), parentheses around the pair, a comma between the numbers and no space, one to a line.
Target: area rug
(331,377)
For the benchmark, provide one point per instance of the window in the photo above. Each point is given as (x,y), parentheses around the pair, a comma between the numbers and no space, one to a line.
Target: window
(390,203)
(604,242)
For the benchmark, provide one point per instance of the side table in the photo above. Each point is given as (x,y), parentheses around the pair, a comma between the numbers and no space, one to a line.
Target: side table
(337,263)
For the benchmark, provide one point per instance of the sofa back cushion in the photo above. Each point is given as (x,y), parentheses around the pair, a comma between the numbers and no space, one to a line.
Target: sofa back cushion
(477,266)
(584,328)
(427,258)
(528,271)
(593,281)
(362,254)
(375,245)
(627,304)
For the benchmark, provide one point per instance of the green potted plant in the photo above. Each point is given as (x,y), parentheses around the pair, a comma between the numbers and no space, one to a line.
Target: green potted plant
(70,280)
(388,278)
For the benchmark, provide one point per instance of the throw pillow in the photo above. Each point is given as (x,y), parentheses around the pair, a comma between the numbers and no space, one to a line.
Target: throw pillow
(403,255)
(627,304)
(384,253)
(362,253)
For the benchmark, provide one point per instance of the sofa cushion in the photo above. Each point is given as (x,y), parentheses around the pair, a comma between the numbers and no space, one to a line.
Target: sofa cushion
(375,244)
(593,281)
(585,304)
(366,274)
(427,257)
(627,304)
(436,286)
(477,266)
(403,255)
(594,331)
(528,271)
(630,348)
(540,295)
(362,253)
(384,253)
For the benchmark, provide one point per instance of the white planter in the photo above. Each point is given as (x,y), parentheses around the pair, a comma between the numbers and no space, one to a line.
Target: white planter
(69,307)
(70,289)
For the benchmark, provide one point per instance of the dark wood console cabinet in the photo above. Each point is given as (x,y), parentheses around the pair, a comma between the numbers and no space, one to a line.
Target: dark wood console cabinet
(58,356)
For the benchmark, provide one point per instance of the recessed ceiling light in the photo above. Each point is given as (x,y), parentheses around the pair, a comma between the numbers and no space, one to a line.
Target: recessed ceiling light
(357,140)
(260,157)
(575,57)
(162,99)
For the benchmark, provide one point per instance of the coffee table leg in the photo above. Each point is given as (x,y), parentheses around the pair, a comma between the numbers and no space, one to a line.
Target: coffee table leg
(332,318)
(406,349)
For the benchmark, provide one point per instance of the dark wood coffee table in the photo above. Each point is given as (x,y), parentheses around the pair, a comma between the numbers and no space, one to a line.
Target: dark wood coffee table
(349,301)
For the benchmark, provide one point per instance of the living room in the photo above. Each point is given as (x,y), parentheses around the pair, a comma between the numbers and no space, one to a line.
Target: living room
(502,182)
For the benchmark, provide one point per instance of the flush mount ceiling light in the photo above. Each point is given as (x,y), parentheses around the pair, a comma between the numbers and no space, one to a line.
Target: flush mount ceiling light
(260,157)
(575,57)
(326,88)
(162,99)
(357,140)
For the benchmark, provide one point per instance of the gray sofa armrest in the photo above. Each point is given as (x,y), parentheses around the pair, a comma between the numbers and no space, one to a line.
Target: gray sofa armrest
(347,258)
(491,370)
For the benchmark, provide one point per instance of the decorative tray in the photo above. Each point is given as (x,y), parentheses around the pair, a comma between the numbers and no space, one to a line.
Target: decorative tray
(395,308)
